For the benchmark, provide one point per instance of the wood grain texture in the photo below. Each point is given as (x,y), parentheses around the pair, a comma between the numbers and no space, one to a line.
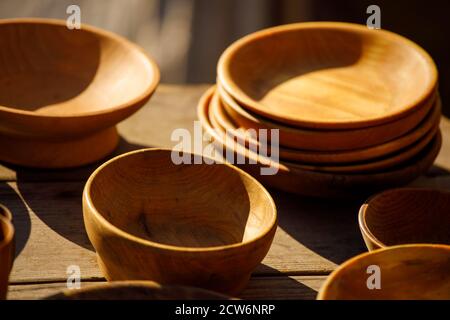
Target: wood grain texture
(408,272)
(328,75)
(294,158)
(370,141)
(72,89)
(403,216)
(259,288)
(201,225)
(310,240)
(290,178)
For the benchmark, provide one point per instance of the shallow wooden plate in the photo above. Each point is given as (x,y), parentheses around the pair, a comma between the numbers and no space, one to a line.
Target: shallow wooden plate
(406,215)
(328,140)
(406,272)
(430,123)
(318,184)
(328,74)
(62,91)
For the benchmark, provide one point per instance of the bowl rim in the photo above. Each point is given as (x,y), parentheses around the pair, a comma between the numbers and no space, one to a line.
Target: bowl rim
(102,33)
(148,243)
(224,74)
(130,284)
(8,238)
(6,212)
(321,295)
(362,213)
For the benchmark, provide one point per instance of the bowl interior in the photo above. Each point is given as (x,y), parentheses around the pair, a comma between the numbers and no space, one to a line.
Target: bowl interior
(322,73)
(409,216)
(48,69)
(199,205)
(406,272)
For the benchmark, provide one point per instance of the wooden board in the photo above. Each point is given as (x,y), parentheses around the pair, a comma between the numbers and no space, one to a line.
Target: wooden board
(310,242)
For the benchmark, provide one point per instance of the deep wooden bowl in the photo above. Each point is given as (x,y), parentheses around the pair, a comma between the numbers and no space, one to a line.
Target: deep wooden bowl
(137,290)
(331,140)
(198,225)
(429,126)
(328,75)
(406,215)
(6,253)
(63,91)
(318,184)
(408,272)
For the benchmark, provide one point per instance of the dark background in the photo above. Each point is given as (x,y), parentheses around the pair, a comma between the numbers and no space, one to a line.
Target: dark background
(186,37)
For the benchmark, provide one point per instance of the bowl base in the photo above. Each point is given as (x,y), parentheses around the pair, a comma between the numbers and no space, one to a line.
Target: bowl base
(42,153)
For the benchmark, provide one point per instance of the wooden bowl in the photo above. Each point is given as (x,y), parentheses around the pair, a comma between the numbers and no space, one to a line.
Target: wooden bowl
(137,290)
(406,215)
(408,272)
(6,253)
(329,140)
(199,225)
(429,126)
(63,91)
(318,184)
(328,75)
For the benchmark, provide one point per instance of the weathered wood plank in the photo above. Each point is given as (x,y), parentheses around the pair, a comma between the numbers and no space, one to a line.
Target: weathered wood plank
(259,288)
(51,234)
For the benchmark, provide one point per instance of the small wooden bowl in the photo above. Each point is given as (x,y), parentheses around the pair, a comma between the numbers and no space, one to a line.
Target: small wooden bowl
(137,290)
(404,216)
(318,184)
(328,75)
(6,253)
(407,272)
(198,225)
(332,140)
(428,126)
(63,91)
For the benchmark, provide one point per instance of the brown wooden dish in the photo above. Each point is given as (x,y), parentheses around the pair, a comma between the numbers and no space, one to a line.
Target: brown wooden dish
(137,290)
(339,141)
(6,250)
(328,75)
(318,184)
(202,225)
(407,272)
(63,91)
(406,215)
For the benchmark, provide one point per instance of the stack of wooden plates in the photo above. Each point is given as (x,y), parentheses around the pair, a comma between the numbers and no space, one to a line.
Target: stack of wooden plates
(356,109)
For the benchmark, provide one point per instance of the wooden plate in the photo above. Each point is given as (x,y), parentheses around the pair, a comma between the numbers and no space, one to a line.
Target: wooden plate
(319,184)
(328,140)
(408,272)
(328,75)
(137,290)
(431,122)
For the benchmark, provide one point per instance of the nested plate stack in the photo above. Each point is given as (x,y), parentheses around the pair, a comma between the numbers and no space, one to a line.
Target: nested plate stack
(356,109)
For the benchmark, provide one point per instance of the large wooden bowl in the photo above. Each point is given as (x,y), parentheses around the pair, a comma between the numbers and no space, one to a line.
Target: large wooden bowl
(406,215)
(249,137)
(338,141)
(407,272)
(6,252)
(137,290)
(63,91)
(202,225)
(328,75)
(293,179)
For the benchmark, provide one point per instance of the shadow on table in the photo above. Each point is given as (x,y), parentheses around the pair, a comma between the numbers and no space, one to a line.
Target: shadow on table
(21,218)
(330,227)
(274,285)
(58,204)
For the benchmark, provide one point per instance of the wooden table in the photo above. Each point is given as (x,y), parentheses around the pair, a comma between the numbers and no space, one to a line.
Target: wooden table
(312,239)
